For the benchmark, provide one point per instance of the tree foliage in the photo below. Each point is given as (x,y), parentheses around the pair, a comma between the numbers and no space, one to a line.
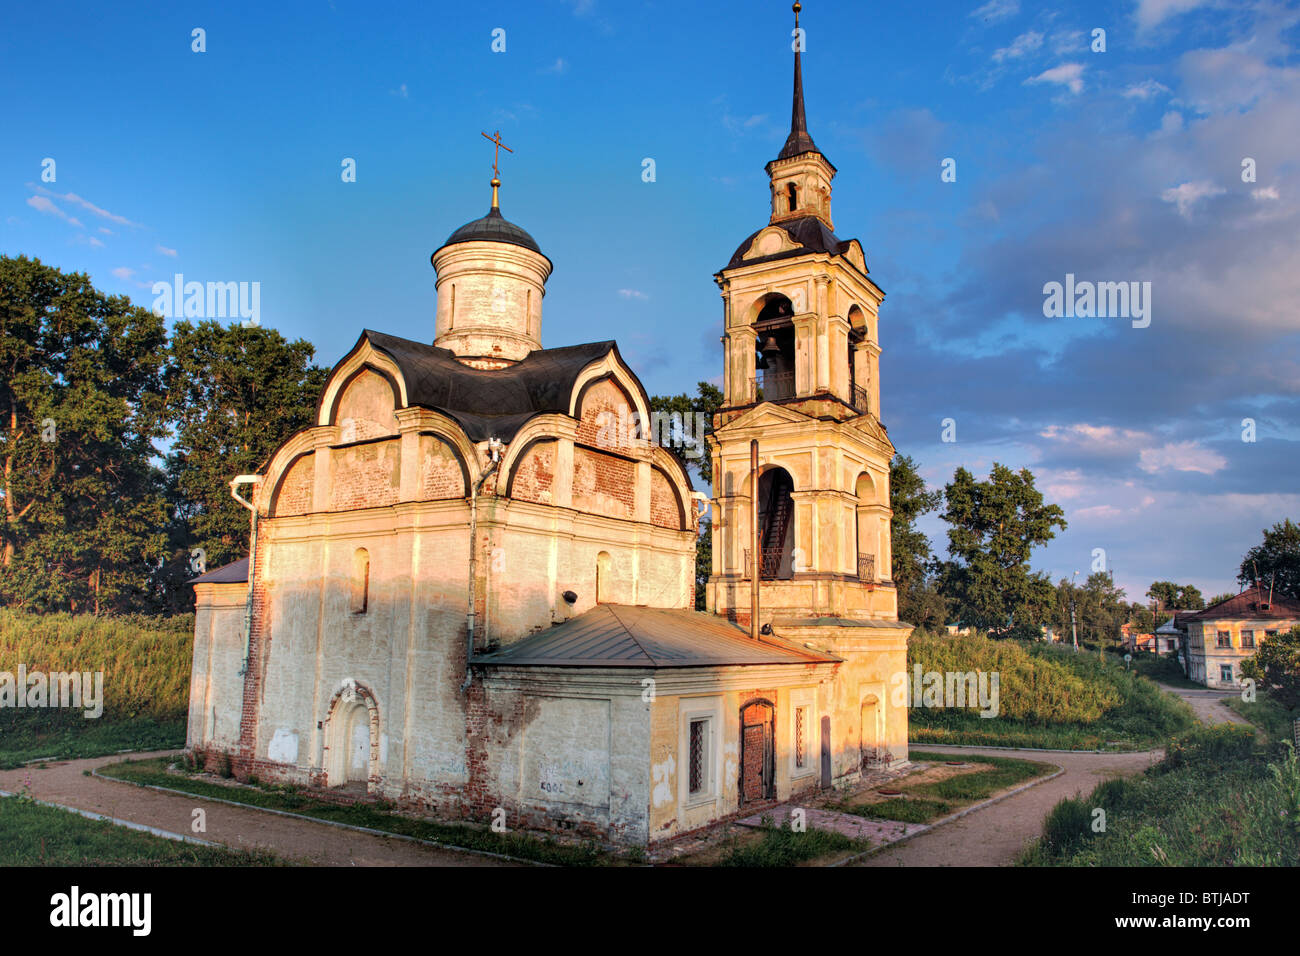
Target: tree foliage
(1180,597)
(994,525)
(706,401)
(1276,667)
(919,600)
(1276,561)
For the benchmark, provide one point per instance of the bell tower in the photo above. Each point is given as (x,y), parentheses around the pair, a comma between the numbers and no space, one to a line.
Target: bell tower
(801,375)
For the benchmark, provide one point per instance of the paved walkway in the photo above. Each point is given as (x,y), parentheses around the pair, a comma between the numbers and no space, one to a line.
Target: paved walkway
(302,840)
(995,835)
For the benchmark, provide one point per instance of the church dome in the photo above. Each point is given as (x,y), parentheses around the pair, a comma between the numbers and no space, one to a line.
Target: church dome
(493,227)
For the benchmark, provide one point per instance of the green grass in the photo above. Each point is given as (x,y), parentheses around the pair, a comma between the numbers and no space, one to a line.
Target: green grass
(35,835)
(523,846)
(926,802)
(1164,668)
(146,668)
(1266,714)
(1217,799)
(782,846)
(1049,698)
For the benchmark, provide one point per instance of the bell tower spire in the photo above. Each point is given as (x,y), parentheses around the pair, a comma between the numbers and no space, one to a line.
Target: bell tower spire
(800,175)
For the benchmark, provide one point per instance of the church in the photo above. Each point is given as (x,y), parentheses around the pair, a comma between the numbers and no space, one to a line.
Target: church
(468,595)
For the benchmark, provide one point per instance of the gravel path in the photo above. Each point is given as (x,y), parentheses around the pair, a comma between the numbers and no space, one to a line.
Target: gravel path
(995,835)
(302,840)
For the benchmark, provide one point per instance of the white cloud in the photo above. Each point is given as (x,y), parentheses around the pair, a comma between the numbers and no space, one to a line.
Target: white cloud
(996,10)
(633,294)
(561,65)
(1025,43)
(1187,195)
(1151,13)
(123,273)
(87,205)
(1069,75)
(41,204)
(401,91)
(96,242)
(1266,192)
(1181,456)
(165,251)
(1145,90)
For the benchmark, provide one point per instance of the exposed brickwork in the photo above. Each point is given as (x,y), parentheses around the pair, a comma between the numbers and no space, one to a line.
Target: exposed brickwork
(365,476)
(440,470)
(535,474)
(365,409)
(294,496)
(603,484)
(606,418)
(258,650)
(664,509)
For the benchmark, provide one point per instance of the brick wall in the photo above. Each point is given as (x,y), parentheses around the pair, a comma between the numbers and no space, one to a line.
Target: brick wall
(294,496)
(440,470)
(535,474)
(664,509)
(603,484)
(365,476)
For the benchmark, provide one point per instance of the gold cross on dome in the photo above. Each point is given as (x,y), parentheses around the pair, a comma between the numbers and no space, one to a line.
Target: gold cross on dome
(495,140)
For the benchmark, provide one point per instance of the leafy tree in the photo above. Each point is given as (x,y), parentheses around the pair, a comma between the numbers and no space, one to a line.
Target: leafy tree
(919,601)
(1142,618)
(994,526)
(80,408)
(1220,597)
(1170,596)
(703,563)
(707,400)
(1276,667)
(1276,561)
(235,394)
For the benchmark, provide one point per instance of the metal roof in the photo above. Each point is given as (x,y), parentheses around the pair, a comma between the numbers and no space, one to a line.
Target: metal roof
(236,572)
(809,232)
(489,403)
(493,227)
(621,635)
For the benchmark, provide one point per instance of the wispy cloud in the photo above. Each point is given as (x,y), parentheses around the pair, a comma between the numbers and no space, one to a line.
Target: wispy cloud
(1145,90)
(43,204)
(401,91)
(1187,195)
(85,204)
(1151,13)
(1181,456)
(995,11)
(165,251)
(561,65)
(1025,43)
(633,294)
(1069,75)
(123,272)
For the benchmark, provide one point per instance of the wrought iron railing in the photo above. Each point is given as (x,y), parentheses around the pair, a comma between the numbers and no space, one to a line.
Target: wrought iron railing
(861,399)
(776,385)
(769,565)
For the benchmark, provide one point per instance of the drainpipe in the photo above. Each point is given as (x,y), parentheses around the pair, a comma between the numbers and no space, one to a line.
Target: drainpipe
(494,451)
(753,539)
(252,561)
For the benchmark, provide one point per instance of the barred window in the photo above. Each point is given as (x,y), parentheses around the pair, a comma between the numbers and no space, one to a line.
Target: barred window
(698,744)
(800,737)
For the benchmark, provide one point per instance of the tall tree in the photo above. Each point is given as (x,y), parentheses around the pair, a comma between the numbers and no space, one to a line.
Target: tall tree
(81,406)
(919,601)
(994,525)
(1276,561)
(1276,666)
(1175,597)
(235,394)
(691,444)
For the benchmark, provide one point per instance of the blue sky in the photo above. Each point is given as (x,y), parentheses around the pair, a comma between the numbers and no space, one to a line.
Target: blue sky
(1123,165)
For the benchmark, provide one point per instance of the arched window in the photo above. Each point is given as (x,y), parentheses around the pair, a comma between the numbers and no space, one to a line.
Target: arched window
(776,536)
(360,580)
(604,585)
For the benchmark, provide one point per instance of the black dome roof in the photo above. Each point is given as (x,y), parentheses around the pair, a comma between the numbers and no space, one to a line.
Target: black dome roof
(493,227)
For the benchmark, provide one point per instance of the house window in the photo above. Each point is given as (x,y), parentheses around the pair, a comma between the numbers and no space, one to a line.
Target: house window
(698,757)
(360,581)
(1247,638)
(1270,633)
(1225,639)
(1225,673)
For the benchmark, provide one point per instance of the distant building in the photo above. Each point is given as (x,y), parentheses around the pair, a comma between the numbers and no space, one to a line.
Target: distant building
(1164,640)
(1225,634)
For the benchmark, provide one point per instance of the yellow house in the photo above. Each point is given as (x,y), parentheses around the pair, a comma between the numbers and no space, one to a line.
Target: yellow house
(1223,635)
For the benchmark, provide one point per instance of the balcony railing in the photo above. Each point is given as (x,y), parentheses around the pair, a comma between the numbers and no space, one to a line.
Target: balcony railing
(866,567)
(769,565)
(861,399)
(776,385)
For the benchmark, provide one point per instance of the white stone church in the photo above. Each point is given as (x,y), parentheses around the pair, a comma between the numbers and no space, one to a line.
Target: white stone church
(467,592)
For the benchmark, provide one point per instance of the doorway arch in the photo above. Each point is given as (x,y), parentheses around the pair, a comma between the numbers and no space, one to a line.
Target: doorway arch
(351,750)
(757,751)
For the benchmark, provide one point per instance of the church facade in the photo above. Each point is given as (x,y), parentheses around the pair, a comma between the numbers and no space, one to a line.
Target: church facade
(470,590)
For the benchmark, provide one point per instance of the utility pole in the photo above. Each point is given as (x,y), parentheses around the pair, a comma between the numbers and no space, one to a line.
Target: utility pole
(1074,628)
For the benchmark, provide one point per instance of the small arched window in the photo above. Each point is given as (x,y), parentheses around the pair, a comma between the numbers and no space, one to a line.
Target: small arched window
(360,580)
(603,582)
(793,194)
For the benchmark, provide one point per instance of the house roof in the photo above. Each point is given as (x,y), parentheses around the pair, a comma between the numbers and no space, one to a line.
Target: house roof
(1251,604)
(236,572)
(621,635)
(489,403)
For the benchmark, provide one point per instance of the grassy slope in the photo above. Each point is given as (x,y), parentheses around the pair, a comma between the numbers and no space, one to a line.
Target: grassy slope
(146,667)
(33,835)
(1215,800)
(1266,714)
(1049,697)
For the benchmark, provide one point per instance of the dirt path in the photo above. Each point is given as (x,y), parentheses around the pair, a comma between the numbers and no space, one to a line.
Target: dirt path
(301,840)
(995,835)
